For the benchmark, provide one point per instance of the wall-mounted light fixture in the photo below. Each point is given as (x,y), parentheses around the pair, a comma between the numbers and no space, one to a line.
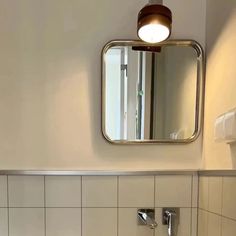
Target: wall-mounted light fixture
(154,22)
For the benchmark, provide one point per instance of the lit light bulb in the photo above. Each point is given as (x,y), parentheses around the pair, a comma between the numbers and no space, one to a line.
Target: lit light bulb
(153,33)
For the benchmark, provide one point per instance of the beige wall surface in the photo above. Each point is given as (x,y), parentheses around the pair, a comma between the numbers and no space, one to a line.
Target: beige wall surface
(220,79)
(50,84)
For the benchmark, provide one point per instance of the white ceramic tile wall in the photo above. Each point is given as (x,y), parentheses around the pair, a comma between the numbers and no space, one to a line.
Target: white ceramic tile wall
(93,205)
(3,191)
(217,206)
(99,191)
(214,224)
(99,221)
(203,192)
(194,221)
(3,221)
(26,191)
(63,221)
(136,191)
(195,191)
(228,227)
(202,223)
(173,191)
(215,194)
(229,197)
(63,191)
(26,222)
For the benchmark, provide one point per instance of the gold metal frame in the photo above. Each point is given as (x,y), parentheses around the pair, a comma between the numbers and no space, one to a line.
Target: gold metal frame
(199,91)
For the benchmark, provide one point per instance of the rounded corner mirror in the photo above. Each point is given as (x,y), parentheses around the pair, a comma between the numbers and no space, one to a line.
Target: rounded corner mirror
(152,93)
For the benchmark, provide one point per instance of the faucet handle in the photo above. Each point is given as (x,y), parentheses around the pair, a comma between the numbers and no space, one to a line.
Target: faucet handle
(147,217)
(170,217)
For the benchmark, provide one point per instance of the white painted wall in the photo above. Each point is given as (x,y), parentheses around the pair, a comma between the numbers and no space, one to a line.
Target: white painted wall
(50,84)
(189,19)
(220,80)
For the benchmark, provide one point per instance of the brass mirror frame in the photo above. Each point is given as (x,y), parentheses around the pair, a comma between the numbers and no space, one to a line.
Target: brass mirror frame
(199,92)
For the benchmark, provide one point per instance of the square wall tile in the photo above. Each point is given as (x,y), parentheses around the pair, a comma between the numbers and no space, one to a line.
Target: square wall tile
(203,192)
(99,221)
(194,221)
(3,191)
(229,196)
(26,191)
(63,221)
(99,191)
(195,180)
(136,191)
(3,222)
(228,227)
(184,226)
(202,223)
(128,224)
(26,222)
(173,191)
(63,191)
(214,225)
(215,194)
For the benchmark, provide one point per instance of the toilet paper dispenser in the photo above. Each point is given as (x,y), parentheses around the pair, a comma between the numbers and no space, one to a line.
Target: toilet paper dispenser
(225,127)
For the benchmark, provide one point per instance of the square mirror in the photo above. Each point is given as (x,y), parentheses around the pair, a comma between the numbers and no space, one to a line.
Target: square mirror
(152,93)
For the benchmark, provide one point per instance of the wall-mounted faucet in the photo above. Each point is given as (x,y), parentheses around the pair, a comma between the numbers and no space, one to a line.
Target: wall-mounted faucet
(170,217)
(147,217)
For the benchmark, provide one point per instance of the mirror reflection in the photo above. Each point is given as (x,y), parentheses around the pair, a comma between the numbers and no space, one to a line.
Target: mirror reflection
(150,93)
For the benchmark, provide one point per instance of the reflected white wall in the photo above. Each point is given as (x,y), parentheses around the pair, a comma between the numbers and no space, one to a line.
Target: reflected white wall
(113,92)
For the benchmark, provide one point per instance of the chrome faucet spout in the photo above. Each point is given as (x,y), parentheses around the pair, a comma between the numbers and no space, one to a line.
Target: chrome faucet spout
(147,217)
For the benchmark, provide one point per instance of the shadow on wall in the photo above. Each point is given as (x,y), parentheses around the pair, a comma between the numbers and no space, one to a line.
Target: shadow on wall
(221,14)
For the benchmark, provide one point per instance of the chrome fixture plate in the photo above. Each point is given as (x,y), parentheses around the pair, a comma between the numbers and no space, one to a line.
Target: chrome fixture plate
(164,218)
(146,217)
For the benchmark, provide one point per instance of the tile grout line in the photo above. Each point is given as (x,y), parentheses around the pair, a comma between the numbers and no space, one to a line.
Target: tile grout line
(112,207)
(117,195)
(191,191)
(154,231)
(81,202)
(8,212)
(221,223)
(221,210)
(191,222)
(226,217)
(208,187)
(154,187)
(45,215)
(198,191)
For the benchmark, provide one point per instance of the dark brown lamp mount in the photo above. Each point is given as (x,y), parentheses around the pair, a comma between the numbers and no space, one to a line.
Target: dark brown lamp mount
(147,48)
(154,22)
